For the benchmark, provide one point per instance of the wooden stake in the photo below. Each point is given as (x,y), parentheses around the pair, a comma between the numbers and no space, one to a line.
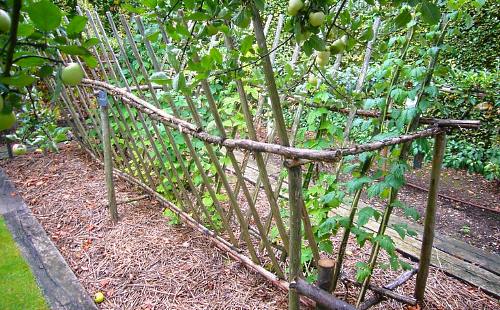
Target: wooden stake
(430,218)
(325,275)
(108,160)
(295,173)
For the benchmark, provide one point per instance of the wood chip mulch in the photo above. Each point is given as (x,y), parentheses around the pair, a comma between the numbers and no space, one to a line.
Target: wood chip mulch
(143,262)
(140,263)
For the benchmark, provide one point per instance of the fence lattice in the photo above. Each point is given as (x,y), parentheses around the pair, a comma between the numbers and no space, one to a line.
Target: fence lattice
(197,165)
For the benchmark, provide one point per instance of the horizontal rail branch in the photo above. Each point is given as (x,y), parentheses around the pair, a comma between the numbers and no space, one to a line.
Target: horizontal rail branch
(330,155)
(140,103)
(450,123)
(386,293)
(322,297)
(466,124)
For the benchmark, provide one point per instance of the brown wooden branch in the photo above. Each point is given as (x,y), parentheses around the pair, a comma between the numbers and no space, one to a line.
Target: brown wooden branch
(330,155)
(386,293)
(454,123)
(402,279)
(327,300)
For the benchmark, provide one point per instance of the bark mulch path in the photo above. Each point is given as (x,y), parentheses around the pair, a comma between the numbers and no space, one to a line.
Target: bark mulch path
(142,262)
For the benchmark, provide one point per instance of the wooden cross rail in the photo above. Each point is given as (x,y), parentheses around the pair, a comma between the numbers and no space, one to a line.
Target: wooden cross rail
(448,123)
(331,155)
(327,300)
(452,123)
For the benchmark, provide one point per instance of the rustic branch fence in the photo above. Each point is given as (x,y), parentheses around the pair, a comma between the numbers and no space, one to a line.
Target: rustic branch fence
(204,181)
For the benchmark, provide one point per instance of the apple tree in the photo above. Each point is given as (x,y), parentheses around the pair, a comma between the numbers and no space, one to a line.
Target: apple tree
(32,34)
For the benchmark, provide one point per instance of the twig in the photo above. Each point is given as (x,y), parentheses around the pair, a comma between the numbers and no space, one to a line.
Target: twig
(36,56)
(13,37)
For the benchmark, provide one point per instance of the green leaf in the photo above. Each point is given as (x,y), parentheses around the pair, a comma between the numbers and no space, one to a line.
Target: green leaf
(90,42)
(20,80)
(405,265)
(179,82)
(216,55)
(90,61)
(326,246)
(362,271)
(357,183)
(207,201)
(76,26)
(74,50)
(25,30)
(31,62)
(400,228)
(328,226)
(260,4)
(367,34)
(386,243)
(430,12)
(332,199)
(316,43)
(403,18)
(242,18)
(306,255)
(361,235)
(246,44)
(365,214)
(45,71)
(160,78)
(411,213)
(150,3)
(45,15)
(172,59)
(198,16)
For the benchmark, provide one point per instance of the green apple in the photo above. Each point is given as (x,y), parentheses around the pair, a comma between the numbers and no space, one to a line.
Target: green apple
(4,21)
(72,74)
(211,29)
(313,80)
(294,6)
(316,18)
(19,149)
(322,58)
(7,120)
(339,45)
(98,297)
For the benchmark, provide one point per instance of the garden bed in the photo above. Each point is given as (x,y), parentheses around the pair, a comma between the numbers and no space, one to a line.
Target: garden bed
(144,262)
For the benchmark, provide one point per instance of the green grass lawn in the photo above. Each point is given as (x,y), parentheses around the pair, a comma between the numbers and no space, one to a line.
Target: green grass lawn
(18,288)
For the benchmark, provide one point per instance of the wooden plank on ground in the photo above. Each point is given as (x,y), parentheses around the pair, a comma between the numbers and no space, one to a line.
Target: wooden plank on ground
(466,271)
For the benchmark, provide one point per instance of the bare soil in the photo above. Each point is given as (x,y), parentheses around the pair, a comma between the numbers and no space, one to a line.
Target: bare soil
(462,219)
(467,222)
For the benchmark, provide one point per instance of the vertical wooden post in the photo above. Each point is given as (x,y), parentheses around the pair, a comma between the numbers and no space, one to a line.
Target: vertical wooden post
(9,148)
(325,276)
(108,160)
(430,217)
(296,201)
(295,243)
